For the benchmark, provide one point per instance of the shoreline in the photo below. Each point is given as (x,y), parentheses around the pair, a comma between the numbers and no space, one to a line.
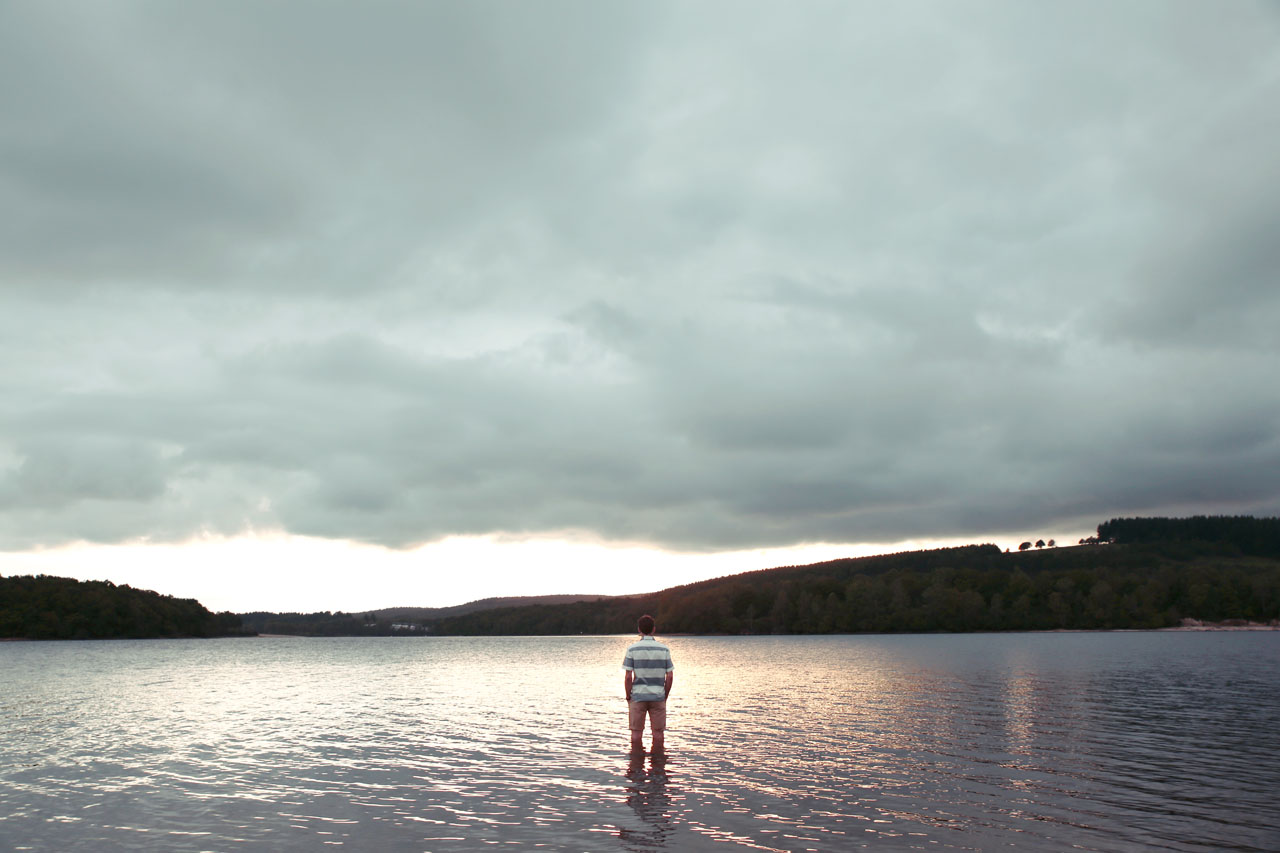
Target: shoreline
(1228,625)
(1187,625)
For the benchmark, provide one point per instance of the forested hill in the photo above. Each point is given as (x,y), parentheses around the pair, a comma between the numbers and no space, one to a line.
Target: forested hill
(1137,573)
(51,608)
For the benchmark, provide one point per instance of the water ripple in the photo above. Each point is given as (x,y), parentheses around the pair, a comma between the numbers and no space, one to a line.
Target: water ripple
(1095,742)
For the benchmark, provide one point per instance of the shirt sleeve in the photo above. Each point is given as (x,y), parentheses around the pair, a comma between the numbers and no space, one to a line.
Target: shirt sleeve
(670,664)
(628,663)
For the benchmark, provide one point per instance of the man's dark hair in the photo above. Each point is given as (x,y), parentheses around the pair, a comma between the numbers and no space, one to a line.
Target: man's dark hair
(646,624)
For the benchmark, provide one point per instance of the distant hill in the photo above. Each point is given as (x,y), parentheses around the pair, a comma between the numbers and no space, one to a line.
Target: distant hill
(426,613)
(388,622)
(1138,573)
(51,608)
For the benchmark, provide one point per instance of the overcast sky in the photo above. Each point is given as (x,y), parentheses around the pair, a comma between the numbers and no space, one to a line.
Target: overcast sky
(690,278)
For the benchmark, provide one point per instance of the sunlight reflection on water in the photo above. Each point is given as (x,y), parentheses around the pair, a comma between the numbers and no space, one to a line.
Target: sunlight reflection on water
(1098,741)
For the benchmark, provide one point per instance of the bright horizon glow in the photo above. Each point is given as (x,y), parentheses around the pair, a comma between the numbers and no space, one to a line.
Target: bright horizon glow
(279,572)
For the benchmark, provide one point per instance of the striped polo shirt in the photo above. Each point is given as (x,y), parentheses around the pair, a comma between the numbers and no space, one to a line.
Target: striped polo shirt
(650,661)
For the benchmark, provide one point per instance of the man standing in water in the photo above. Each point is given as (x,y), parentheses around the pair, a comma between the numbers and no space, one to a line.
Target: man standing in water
(649,673)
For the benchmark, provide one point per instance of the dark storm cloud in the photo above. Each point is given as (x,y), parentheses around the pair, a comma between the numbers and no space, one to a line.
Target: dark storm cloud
(689,275)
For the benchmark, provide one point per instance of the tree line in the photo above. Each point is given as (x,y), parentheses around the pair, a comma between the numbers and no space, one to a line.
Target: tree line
(330,624)
(43,607)
(1234,534)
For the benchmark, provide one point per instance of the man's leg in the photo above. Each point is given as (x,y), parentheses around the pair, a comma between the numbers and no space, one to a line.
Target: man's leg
(658,724)
(635,719)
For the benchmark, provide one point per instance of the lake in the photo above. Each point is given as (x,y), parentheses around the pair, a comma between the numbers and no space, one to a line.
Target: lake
(1092,741)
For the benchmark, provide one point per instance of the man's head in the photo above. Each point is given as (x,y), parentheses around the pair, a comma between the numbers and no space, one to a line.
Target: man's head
(645,625)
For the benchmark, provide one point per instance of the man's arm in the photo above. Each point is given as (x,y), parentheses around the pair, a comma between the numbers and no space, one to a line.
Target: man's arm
(671,676)
(627,678)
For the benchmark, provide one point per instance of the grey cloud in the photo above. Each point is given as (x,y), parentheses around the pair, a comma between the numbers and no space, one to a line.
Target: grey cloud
(1211,280)
(241,140)
(689,276)
(95,155)
(55,472)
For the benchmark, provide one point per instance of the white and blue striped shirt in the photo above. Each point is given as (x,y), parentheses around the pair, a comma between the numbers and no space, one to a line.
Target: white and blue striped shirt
(650,661)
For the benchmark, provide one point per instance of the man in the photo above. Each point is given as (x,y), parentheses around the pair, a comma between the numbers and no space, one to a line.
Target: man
(649,673)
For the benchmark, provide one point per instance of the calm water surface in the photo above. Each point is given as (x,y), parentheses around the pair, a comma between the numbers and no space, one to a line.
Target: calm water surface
(1118,741)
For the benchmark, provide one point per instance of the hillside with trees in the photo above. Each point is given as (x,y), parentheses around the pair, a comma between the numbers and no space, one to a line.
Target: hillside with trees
(52,608)
(319,624)
(388,622)
(1137,573)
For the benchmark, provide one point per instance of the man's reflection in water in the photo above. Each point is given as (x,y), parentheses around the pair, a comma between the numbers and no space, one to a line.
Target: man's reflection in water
(647,793)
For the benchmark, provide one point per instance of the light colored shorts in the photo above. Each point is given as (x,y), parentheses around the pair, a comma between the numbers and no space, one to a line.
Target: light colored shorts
(657,712)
